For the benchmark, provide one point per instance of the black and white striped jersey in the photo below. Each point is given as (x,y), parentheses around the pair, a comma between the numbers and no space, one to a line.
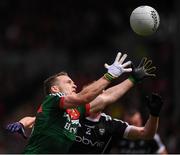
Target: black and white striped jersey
(95,135)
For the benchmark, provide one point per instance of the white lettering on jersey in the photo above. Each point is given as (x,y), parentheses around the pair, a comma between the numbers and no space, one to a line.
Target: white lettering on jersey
(69,128)
(88,132)
(87,141)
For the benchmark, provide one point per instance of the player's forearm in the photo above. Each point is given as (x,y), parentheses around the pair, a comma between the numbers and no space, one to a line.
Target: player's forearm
(112,94)
(27,122)
(150,127)
(146,132)
(93,90)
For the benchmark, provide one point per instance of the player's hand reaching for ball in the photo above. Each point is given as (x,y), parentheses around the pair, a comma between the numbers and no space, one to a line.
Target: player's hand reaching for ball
(142,71)
(16,127)
(118,67)
(154,104)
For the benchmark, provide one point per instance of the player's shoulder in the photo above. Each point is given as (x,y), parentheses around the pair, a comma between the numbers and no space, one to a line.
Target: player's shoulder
(53,97)
(109,118)
(106,117)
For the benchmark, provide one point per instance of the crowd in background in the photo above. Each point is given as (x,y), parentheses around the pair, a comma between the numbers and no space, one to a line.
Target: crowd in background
(39,38)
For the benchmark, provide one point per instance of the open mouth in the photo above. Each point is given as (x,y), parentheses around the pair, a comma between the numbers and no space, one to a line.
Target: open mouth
(74,90)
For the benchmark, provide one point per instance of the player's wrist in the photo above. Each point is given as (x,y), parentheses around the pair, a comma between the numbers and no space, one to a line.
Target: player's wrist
(109,77)
(155,113)
(154,104)
(132,79)
(22,125)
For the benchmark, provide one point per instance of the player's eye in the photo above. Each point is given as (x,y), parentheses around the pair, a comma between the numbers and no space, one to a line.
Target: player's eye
(69,81)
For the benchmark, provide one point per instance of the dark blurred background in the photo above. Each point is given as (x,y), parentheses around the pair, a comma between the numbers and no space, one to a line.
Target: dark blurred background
(40,38)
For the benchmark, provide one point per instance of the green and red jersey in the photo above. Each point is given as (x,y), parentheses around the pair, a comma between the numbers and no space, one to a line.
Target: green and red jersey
(55,128)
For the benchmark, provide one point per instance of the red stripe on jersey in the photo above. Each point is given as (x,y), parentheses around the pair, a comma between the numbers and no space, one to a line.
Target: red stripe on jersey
(39,109)
(61,102)
(87,106)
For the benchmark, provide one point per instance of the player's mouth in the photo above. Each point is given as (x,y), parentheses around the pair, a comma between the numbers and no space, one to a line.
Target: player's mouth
(74,90)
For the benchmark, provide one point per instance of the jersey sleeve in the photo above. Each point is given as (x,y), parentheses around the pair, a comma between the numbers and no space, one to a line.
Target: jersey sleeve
(51,103)
(61,102)
(115,127)
(84,109)
(118,128)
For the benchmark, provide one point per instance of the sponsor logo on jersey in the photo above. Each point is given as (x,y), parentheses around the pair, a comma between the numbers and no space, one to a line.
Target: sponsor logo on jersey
(101,131)
(90,142)
(70,128)
(74,113)
(72,116)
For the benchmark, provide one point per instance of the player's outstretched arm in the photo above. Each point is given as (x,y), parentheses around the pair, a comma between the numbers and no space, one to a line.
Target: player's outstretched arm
(93,90)
(111,95)
(18,127)
(154,105)
(28,121)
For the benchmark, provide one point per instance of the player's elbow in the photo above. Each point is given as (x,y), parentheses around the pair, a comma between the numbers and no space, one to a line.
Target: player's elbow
(147,135)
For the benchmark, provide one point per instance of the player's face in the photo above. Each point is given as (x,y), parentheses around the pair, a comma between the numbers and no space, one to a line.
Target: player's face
(65,84)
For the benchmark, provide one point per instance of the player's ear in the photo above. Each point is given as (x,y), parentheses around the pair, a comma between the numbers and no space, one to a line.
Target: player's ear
(54,89)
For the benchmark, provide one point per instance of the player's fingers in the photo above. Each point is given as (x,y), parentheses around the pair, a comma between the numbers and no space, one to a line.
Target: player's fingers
(118,57)
(143,60)
(132,66)
(126,64)
(123,58)
(150,70)
(151,75)
(128,70)
(13,128)
(16,128)
(106,65)
(9,126)
(148,64)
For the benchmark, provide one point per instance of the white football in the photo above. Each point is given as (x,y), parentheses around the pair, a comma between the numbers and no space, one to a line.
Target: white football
(144,20)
